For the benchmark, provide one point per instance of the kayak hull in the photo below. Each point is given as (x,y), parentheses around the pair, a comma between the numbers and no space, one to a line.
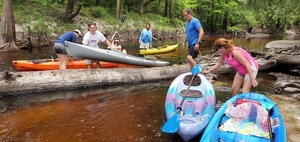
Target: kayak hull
(163,49)
(86,52)
(198,107)
(49,64)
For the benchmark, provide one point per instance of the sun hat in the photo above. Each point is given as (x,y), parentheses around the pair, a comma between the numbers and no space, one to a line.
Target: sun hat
(78,31)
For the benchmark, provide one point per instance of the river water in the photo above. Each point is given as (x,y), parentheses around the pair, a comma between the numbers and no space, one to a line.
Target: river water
(115,113)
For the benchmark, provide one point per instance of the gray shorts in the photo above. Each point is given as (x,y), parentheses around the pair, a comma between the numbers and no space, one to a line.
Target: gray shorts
(145,45)
(246,76)
(60,48)
(90,61)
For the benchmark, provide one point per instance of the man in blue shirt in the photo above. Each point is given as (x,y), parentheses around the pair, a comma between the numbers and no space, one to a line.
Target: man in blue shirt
(146,38)
(60,47)
(194,34)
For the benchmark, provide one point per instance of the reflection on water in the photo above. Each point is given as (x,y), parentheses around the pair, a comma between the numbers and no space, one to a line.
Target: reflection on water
(124,113)
(129,114)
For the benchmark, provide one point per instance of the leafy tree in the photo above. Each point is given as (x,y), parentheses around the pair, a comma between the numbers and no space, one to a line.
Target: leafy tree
(70,14)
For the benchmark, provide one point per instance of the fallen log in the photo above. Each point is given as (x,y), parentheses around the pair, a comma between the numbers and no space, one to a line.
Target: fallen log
(24,82)
(287,83)
(283,44)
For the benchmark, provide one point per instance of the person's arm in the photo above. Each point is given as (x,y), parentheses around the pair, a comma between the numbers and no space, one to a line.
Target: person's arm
(85,40)
(217,65)
(112,39)
(73,38)
(141,35)
(201,33)
(150,41)
(108,43)
(237,54)
(184,42)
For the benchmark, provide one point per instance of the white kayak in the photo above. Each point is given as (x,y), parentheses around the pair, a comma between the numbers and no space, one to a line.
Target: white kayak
(91,53)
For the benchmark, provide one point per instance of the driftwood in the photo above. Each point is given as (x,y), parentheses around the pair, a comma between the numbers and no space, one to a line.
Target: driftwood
(283,44)
(285,82)
(24,82)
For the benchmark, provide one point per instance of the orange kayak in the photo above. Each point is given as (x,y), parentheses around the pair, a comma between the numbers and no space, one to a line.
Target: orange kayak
(49,64)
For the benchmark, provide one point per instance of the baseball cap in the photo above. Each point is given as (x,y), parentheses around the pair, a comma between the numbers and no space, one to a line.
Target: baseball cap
(78,31)
(219,43)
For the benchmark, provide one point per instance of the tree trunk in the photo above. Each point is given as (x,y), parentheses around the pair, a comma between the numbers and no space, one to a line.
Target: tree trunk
(171,8)
(69,10)
(118,9)
(7,28)
(225,19)
(166,8)
(158,7)
(141,8)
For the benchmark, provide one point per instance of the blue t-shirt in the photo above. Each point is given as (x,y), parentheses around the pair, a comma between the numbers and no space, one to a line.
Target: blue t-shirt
(68,36)
(192,30)
(146,36)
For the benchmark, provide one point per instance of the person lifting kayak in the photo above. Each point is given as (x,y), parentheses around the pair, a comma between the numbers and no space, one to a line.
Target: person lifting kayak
(92,38)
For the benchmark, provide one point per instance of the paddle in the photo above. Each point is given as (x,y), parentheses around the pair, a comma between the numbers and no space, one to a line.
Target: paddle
(268,105)
(122,20)
(172,125)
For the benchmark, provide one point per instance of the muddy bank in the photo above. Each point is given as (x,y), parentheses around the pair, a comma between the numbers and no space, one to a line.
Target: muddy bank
(289,109)
(31,40)
(24,82)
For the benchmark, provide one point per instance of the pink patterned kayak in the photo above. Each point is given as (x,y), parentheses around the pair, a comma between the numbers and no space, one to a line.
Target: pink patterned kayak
(198,107)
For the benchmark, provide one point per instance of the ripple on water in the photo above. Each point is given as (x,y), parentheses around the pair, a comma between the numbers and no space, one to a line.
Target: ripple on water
(131,116)
(125,115)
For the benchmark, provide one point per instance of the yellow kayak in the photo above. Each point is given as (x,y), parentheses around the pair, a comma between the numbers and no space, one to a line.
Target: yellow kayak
(162,49)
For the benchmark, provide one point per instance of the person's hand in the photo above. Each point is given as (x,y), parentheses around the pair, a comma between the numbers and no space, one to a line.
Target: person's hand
(116,32)
(205,71)
(196,48)
(254,82)
(183,46)
(71,58)
(140,42)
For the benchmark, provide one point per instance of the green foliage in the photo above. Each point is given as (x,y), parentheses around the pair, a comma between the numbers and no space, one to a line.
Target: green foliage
(215,15)
(98,12)
(235,29)
(41,26)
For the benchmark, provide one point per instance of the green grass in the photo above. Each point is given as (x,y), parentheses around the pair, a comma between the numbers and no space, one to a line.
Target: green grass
(47,18)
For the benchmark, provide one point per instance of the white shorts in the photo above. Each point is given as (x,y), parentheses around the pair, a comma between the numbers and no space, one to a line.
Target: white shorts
(145,45)
(246,76)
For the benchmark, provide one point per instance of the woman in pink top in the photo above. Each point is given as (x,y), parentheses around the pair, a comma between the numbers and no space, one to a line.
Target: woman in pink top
(239,59)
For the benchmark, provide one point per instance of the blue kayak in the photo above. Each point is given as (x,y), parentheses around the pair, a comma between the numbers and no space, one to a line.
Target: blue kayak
(247,117)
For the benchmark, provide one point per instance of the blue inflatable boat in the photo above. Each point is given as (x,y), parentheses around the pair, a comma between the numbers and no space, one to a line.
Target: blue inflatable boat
(247,117)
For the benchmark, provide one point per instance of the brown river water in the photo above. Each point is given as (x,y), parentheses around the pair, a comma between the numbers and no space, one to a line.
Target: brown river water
(114,113)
